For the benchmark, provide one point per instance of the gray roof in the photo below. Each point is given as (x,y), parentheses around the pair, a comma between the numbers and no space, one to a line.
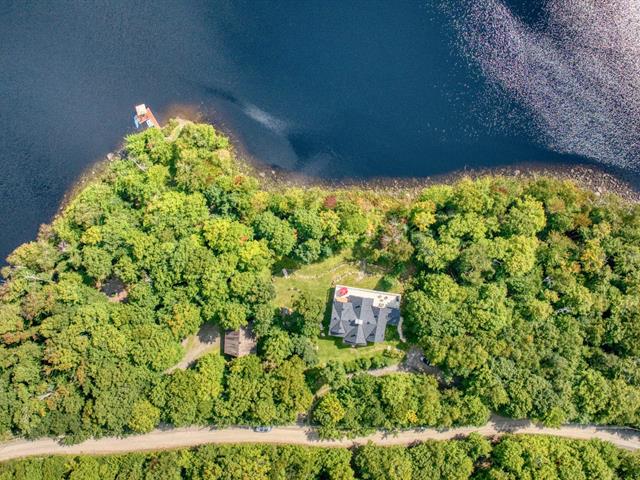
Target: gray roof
(394,316)
(359,322)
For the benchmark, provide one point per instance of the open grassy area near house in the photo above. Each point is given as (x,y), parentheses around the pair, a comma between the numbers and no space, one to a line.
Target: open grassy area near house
(319,280)
(333,348)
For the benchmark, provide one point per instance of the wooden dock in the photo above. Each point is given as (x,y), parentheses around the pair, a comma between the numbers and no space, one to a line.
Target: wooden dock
(144,116)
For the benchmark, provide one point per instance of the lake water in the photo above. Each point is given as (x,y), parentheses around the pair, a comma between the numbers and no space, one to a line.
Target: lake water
(357,88)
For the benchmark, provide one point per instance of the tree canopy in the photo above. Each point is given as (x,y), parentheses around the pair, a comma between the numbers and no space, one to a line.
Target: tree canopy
(525,293)
(527,296)
(510,458)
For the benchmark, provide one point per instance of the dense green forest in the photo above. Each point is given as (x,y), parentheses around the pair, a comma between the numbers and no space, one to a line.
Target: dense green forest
(525,293)
(511,458)
(394,401)
(528,295)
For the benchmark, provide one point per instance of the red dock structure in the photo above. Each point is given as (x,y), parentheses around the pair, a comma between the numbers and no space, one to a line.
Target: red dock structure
(144,116)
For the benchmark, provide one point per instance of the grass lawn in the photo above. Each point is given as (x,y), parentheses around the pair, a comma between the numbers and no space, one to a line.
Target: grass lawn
(319,280)
(332,348)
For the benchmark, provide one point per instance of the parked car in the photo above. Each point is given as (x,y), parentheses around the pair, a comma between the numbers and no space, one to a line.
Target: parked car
(262,429)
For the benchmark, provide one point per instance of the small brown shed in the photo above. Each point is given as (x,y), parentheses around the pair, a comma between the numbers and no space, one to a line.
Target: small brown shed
(241,342)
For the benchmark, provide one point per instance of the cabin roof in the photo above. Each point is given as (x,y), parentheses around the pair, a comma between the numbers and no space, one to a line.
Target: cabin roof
(360,316)
(241,342)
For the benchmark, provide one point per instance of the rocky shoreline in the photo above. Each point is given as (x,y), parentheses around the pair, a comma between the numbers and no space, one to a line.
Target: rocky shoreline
(589,177)
(595,179)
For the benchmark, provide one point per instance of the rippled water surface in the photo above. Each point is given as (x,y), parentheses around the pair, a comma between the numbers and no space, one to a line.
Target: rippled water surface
(329,88)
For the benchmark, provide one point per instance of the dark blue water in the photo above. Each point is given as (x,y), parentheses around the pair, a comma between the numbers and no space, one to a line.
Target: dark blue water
(330,88)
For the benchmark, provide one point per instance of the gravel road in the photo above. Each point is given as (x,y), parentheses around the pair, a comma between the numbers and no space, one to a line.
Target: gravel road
(301,435)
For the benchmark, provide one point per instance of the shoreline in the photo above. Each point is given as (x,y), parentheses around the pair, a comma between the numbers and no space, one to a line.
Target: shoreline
(590,177)
(597,178)
(90,174)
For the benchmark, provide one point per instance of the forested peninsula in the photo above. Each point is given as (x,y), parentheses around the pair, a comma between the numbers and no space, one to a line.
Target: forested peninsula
(523,295)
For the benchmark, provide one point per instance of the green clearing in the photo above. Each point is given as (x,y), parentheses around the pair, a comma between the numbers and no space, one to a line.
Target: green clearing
(332,348)
(319,280)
